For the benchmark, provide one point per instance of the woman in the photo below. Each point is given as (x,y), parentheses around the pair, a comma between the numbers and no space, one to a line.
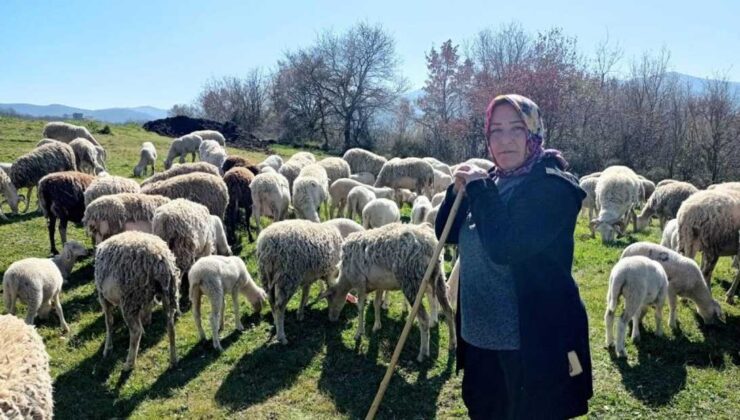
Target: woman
(522,328)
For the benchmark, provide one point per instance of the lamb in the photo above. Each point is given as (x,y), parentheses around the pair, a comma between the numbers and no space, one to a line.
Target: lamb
(185,168)
(665,202)
(371,260)
(292,168)
(404,196)
(441,181)
(295,253)
(238,161)
(217,276)
(270,197)
(131,268)
(361,160)
(364,177)
(357,199)
(588,184)
(338,192)
(211,135)
(109,185)
(112,214)
(37,282)
(310,189)
(147,158)
(684,279)
(61,196)
(210,151)
(380,212)
(617,193)
(25,382)
(29,168)
(412,173)
(86,156)
(180,147)
(238,181)
(336,168)
(345,226)
(64,132)
(669,239)
(421,207)
(10,193)
(438,198)
(272,161)
(206,189)
(643,282)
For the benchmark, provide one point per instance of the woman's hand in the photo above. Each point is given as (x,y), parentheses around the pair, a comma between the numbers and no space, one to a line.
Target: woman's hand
(465,174)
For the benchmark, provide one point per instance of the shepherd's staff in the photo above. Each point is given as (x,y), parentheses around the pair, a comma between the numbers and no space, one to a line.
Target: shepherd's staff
(414,309)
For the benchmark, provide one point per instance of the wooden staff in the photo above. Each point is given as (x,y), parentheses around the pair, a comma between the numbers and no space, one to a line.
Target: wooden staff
(414,309)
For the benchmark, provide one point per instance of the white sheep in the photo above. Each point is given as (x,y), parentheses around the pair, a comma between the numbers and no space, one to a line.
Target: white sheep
(380,212)
(310,190)
(65,132)
(431,217)
(203,188)
(147,158)
(336,168)
(216,276)
(412,173)
(270,197)
(361,160)
(7,189)
(441,181)
(212,152)
(272,161)
(86,156)
(438,198)
(669,238)
(292,168)
(37,282)
(419,211)
(185,168)
(338,192)
(439,166)
(643,282)
(29,168)
(211,135)
(181,147)
(345,226)
(588,184)
(665,202)
(112,214)
(358,198)
(618,191)
(364,177)
(405,196)
(109,185)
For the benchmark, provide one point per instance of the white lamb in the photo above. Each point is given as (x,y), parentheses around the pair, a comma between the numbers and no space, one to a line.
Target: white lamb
(669,238)
(419,211)
(147,158)
(618,191)
(364,177)
(380,212)
(441,181)
(212,152)
(270,197)
(310,190)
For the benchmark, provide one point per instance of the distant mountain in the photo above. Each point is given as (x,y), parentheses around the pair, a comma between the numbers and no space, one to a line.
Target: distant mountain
(111,115)
(697,84)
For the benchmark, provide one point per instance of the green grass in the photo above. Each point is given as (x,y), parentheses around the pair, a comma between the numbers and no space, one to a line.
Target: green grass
(323,373)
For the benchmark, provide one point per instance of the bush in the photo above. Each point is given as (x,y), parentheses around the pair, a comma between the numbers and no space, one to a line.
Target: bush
(105,130)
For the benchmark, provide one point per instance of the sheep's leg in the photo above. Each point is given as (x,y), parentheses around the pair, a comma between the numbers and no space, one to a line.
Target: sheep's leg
(170,311)
(282,296)
(135,331)
(730,297)
(235,304)
(221,318)
(361,296)
(63,230)
(433,308)
(424,330)
(256,215)
(195,302)
(386,298)
(609,322)
(659,319)
(709,261)
(108,312)
(672,301)
(32,307)
(304,299)
(249,227)
(51,224)
(621,332)
(28,198)
(376,305)
(60,313)
(217,308)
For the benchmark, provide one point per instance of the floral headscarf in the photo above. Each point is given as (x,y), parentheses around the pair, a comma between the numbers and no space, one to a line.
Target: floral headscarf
(529,112)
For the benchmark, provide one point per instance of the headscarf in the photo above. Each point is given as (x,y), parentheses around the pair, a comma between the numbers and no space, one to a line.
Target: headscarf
(529,112)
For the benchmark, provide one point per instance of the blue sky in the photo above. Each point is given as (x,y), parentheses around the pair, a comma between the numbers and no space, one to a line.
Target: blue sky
(97,54)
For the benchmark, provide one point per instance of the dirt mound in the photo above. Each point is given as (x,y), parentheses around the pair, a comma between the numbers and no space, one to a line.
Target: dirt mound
(181,125)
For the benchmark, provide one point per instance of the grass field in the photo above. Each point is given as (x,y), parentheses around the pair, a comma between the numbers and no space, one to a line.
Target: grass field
(693,372)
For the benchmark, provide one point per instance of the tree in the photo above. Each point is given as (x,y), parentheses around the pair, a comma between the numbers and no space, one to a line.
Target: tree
(242,101)
(183,110)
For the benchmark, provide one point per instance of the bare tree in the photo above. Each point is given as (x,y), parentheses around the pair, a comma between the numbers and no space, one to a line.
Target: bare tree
(720,114)
(183,110)
(242,101)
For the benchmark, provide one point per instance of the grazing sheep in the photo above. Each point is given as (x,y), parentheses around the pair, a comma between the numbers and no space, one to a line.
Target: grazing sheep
(112,214)
(238,161)
(212,152)
(441,181)
(131,268)
(588,184)
(64,132)
(392,257)
(86,156)
(404,196)
(109,185)
(37,282)
(268,169)
(45,141)
(29,168)
(185,168)
(147,158)
(438,198)
(25,382)
(439,166)
(336,168)
(238,181)
(345,226)
(684,279)
(665,202)
(211,135)
(295,253)
(310,189)
(180,147)
(270,197)
(357,199)
(432,215)
(419,211)
(380,212)
(726,185)
(10,193)
(709,222)
(364,177)
(306,156)
(338,192)
(648,188)
(292,168)
(217,276)
(643,282)
(61,196)
(669,239)
(411,173)
(206,189)
(361,160)
(617,193)
(664,182)
(272,161)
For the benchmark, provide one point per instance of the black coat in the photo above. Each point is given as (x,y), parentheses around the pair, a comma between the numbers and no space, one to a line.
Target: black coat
(533,234)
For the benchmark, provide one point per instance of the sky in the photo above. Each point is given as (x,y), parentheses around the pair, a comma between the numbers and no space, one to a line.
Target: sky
(100,54)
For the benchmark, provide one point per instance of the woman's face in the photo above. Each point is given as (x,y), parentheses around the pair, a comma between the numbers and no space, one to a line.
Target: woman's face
(508,140)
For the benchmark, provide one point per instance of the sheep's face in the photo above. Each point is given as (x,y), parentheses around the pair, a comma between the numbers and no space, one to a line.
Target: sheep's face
(642,223)
(608,231)
(713,315)
(75,249)
(335,300)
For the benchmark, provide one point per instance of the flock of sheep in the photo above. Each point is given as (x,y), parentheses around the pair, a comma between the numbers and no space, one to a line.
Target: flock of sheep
(175,230)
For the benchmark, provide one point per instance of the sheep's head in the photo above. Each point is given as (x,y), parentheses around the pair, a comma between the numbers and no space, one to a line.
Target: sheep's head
(712,314)
(74,250)
(13,202)
(607,230)
(256,296)
(335,299)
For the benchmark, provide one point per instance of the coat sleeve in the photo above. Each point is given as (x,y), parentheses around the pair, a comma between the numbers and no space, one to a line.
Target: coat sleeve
(532,220)
(444,212)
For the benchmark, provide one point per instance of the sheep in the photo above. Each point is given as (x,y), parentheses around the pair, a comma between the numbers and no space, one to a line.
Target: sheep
(37,282)
(338,192)
(61,196)
(361,160)
(238,181)
(412,173)
(726,185)
(10,193)
(185,168)
(643,282)
(217,276)
(665,202)
(617,193)
(380,212)
(209,190)
(218,235)
(405,196)
(270,197)
(295,253)
(5,167)
(112,214)
(147,157)
(305,156)
(364,177)
(25,382)
(669,238)
(336,168)
(292,168)
(86,157)
(664,182)
(439,166)
(272,161)
(421,207)
(441,181)
(109,185)
(45,141)
(180,147)
(684,279)
(268,169)
(29,168)
(648,188)
(345,226)
(438,198)
(64,132)
(709,221)
(431,216)
(310,189)
(211,135)
(484,164)
(238,161)
(392,257)
(357,199)
(131,268)
(588,184)
(210,151)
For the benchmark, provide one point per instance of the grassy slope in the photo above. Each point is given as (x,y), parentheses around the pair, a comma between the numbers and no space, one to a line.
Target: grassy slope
(323,373)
